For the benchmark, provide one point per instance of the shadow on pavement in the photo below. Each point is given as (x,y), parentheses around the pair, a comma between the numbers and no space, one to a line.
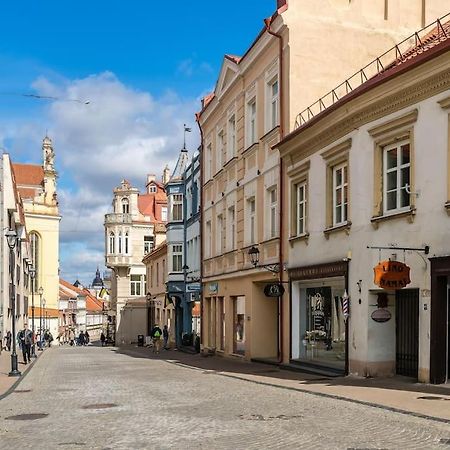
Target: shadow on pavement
(239,366)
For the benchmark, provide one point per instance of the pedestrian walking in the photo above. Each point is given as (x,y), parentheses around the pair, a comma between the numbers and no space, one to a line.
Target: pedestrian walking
(87,338)
(26,341)
(103,339)
(165,337)
(81,339)
(156,338)
(8,341)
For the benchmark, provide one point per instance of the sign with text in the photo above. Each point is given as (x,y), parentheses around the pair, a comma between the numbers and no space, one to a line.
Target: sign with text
(391,275)
(274,290)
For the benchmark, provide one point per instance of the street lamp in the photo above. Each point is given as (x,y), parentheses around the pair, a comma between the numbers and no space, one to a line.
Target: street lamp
(45,313)
(32,272)
(11,237)
(149,322)
(40,292)
(253,253)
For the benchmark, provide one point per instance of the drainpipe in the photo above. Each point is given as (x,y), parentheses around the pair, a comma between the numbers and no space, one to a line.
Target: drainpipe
(197,119)
(268,23)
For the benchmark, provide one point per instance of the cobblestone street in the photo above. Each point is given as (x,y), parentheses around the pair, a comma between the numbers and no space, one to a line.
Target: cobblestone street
(100,398)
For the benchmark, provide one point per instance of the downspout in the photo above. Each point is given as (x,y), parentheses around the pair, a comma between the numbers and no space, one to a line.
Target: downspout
(197,119)
(268,23)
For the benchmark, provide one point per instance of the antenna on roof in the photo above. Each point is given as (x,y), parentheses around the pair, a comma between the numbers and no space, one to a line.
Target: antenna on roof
(186,130)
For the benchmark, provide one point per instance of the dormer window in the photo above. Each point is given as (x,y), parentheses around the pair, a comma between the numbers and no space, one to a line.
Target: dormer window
(152,189)
(125,206)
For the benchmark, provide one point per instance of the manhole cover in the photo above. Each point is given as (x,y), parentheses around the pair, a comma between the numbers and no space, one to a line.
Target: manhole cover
(22,391)
(27,416)
(100,406)
(430,397)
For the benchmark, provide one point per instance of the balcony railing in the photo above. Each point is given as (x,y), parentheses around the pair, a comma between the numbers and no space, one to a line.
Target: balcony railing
(118,218)
(416,43)
(118,260)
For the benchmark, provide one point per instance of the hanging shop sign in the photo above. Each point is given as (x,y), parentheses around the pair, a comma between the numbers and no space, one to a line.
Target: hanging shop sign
(391,275)
(381,315)
(274,290)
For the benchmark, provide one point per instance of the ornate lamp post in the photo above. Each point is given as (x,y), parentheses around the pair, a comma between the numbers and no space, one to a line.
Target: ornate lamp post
(32,272)
(11,237)
(40,292)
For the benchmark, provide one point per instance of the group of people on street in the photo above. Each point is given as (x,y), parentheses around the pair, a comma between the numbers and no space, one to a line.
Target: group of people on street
(72,339)
(156,335)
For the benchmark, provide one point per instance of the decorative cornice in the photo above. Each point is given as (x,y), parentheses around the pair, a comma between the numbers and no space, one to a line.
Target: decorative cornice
(337,150)
(445,103)
(395,124)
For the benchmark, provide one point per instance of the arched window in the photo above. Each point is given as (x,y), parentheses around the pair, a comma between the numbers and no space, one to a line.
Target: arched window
(125,206)
(112,243)
(126,244)
(120,243)
(35,257)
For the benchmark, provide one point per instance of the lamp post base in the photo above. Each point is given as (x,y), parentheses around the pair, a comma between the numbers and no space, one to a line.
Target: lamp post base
(14,370)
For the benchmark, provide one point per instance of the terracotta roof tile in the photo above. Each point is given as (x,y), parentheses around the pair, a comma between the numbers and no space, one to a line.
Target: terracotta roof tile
(29,174)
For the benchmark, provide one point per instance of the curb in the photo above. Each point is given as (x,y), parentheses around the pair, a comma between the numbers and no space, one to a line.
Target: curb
(19,379)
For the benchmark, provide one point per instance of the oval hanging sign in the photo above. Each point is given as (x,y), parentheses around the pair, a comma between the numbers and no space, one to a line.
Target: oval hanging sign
(274,290)
(391,275)
(381,315)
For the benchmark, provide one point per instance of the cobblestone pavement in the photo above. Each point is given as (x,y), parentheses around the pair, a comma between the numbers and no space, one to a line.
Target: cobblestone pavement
(98,398)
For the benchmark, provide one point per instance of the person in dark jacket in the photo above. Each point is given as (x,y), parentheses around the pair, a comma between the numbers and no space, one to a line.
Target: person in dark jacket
(81,339)
(26,341)
(103,339)
(165,337)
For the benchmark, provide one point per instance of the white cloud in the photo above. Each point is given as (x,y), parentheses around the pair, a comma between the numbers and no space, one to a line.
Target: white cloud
(122,133)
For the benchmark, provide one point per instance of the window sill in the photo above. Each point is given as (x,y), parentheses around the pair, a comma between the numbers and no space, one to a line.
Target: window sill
(270,239)
(302,237)
(218,172)
(228,163)
(335,229)
(408,214)
(250,147)
(272,132)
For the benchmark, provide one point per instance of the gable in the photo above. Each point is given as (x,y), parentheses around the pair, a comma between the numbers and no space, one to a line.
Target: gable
(228,73)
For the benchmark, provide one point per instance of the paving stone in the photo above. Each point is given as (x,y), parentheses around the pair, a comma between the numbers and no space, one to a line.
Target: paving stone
(154,404)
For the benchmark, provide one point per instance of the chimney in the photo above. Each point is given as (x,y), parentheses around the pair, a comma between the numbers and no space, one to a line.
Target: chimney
(150,178)
(166,175)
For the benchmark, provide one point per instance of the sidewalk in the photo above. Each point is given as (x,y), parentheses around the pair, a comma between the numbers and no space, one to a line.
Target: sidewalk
(6,382)
(398,394)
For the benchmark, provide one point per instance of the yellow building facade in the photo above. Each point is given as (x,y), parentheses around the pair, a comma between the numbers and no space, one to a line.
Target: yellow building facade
(303,51)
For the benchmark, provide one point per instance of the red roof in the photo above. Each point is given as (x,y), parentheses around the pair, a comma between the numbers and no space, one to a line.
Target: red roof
(233,58)
(147,205)
(29,174)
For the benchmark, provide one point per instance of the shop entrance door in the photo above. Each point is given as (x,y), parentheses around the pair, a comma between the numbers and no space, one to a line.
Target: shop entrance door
(407,332)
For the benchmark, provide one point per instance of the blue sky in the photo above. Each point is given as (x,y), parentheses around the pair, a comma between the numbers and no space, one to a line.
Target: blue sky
(144,65)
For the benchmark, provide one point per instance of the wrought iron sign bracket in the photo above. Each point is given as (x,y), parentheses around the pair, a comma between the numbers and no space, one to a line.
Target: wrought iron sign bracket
(425,249)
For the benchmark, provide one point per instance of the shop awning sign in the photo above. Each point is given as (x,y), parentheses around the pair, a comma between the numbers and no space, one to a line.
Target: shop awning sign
(391,275)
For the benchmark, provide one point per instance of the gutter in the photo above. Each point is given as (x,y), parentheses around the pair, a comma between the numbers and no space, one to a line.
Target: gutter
(268,23)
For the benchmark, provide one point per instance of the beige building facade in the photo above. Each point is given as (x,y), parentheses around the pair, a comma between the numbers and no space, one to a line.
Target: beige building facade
(160,310)
(132,230)
(305,49)
(367,186)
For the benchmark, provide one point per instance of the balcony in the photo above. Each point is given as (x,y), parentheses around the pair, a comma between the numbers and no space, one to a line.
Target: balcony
(118,260)
(114,218)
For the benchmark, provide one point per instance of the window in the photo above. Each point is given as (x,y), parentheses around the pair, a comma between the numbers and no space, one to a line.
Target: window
(177,207)
(35,257)
(148,244)
(152,189)
(126,244)
(251,206)
(136,284)
(272,90)
(164,213)
(112,243)
(340,194)
(300,189)
(396,175)
(231,137)
(125,206)
(208,162)
(120,243)
(220,148)
(231,222)
(208,239)
(251,124)
(177,258)
(272,197)
(219,234)
(157,274)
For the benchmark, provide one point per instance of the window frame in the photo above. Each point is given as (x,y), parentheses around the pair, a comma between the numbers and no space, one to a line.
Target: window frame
(344,187)
(251,214)
(231,137)
(301,205)
(252,121)
(177,252)
(272,209)
(177,201)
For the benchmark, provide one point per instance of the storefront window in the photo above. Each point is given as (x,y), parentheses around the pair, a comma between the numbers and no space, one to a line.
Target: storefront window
(239,325)
(322,327)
